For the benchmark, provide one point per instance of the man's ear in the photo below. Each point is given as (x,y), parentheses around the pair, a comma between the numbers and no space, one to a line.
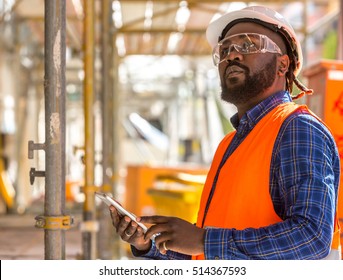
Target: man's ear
(283,64)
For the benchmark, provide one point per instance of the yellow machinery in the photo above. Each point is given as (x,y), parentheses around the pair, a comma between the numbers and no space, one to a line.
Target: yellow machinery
(178,195)
(7,191)
(6,188)
(141,196)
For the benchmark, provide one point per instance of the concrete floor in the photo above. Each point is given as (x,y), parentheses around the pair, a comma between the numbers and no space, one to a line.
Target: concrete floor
(21,240)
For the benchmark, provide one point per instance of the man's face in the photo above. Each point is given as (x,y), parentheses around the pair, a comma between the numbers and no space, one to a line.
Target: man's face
(247,76)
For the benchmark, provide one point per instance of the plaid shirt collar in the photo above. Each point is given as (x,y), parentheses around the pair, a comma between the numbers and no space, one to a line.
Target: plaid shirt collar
(255,114)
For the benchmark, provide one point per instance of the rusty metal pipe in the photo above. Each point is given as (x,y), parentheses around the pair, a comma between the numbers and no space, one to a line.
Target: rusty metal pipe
(89,223)
(106,234)
(54,91)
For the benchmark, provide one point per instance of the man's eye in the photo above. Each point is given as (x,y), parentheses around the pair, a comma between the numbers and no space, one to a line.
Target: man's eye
(249,47)
(224,52)
(246,46)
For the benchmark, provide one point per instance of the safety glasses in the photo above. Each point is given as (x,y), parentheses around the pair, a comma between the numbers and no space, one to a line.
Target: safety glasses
(243,43)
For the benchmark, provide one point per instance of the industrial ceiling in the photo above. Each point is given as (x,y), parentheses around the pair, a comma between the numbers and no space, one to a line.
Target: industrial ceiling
(143,27)
(138,27)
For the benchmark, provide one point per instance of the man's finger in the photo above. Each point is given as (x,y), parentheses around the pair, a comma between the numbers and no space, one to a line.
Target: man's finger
(153,219)
(114,216)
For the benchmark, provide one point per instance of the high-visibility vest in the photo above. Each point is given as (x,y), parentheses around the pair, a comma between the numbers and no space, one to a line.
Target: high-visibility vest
(241,198)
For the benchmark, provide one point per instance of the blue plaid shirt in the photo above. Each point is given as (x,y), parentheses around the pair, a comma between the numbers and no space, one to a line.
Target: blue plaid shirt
(304,179)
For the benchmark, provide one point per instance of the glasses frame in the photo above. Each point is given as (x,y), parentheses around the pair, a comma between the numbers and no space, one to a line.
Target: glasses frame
(266,45)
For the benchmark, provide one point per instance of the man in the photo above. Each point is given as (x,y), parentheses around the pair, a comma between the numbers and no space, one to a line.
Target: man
(271,192)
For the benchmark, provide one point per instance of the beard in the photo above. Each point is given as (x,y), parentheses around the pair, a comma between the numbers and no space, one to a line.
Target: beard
(254,84)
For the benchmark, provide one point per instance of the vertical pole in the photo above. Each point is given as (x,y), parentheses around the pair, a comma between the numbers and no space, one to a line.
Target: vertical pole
(340,32)
(89,225)
(54,91)
(304,28)
(106,234)
(116,132)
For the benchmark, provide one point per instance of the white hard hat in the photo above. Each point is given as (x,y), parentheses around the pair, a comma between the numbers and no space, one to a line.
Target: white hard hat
(260,15)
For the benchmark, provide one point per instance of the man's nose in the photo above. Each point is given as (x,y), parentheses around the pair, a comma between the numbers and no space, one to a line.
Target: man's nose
(232,54)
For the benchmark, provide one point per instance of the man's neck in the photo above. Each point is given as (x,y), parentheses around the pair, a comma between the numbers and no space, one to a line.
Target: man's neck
(243,108)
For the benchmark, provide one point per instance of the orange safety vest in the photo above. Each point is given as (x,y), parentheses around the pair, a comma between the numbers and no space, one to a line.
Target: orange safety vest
(242,199)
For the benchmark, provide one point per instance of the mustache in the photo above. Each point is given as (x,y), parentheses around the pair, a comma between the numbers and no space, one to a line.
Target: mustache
(236,63)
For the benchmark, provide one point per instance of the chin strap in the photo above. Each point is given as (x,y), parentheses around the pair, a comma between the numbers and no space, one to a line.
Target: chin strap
(304,90)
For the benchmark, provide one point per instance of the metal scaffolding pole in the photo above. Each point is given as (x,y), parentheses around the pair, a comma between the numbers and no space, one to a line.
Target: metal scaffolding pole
(304,30)
(116,131)
(89,226)
(54,84)
(54,221)
(340,32)
(106,232)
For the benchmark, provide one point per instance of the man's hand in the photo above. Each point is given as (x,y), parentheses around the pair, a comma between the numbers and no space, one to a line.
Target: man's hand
(175,234)
(129,231)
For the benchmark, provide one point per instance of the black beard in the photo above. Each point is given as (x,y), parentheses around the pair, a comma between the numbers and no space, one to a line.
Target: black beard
(253,86)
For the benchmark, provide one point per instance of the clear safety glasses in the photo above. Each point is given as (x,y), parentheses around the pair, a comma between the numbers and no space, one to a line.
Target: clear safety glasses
(243,43)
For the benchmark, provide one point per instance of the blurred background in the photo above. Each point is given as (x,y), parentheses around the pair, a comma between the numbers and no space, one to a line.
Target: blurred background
(122,97)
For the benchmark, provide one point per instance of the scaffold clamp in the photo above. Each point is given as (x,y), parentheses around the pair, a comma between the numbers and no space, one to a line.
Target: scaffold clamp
(35,173)
(34,146)
(54,222)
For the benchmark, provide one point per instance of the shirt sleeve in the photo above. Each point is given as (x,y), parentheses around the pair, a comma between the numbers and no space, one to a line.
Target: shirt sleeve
(303,185)
(154,254)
